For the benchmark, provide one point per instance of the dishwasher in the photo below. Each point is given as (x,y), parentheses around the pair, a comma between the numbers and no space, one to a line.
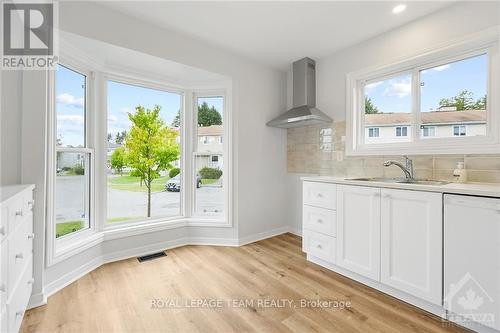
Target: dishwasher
(472,261)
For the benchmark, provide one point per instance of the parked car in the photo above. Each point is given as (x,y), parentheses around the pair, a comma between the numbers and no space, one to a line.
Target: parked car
(174,184)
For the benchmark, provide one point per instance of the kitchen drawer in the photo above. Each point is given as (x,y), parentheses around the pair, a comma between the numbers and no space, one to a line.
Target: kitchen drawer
(4,274)
(319,245)
(319,195)
(319,220)
(20,249)
(4,223)
(20,298)
(17,212)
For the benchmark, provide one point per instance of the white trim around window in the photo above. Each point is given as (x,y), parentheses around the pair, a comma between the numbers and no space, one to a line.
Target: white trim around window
(485,42)
(96,133)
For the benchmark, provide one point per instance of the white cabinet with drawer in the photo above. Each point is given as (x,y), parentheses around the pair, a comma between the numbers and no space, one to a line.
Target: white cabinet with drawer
(319,220)
(16,254)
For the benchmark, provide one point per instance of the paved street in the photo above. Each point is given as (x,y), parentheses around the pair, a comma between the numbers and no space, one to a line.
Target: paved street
(70,193)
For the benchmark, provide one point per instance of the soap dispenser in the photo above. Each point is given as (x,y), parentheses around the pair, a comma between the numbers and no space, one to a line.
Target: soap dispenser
(460,174)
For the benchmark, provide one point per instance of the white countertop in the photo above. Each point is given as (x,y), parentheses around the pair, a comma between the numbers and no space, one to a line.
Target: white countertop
(7,192)
(480,189)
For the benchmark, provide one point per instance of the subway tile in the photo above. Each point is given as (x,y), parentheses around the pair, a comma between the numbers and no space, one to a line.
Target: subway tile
(483,176)
(482,163)
(447,162)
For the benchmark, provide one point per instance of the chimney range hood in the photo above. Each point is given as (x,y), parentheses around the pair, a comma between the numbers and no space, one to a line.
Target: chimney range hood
(304,111)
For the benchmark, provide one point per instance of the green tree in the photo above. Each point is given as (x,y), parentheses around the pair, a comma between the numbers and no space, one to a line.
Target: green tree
(120,137)
(464,100)
(208,116)
(118,160)
(151,146)
(177,120)
(370,108)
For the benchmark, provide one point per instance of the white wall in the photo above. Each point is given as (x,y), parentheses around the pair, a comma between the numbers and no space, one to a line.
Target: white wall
(450,23)
(10,127)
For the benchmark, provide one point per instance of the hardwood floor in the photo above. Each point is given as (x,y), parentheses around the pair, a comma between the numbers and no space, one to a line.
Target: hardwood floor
(118,297)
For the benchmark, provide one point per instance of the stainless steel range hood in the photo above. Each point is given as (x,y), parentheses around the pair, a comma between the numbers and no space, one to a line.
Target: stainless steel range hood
(304,111)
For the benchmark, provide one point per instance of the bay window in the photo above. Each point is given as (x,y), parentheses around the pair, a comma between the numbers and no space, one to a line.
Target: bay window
(131,155)
(447,97)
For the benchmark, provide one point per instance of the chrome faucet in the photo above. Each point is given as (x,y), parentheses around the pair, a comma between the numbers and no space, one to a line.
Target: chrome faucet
(407,168)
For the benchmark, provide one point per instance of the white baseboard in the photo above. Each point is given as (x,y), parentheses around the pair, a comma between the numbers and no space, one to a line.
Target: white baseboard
(37,300)
(70,277)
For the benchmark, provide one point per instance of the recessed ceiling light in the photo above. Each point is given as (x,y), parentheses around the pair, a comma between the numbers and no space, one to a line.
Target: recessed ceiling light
(398,9)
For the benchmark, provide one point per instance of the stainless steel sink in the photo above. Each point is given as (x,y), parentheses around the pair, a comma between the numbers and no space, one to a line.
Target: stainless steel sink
(401,181)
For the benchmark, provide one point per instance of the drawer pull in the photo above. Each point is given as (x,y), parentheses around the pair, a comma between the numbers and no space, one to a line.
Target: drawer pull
(31,203)
(320,221)
(319,246)
(19,313)
(19,213)
(31,236)
(2,231)
(319,195)
(31,281)
(19,256)
(2,287)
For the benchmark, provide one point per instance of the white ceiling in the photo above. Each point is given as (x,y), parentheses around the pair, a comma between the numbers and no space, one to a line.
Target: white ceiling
(277,33)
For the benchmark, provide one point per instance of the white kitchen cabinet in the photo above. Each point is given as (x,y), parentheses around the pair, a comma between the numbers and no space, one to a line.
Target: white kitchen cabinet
(358,230)
(472,259)
(411,243)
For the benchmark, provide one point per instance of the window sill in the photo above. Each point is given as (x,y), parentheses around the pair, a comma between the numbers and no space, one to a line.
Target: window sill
(80,244)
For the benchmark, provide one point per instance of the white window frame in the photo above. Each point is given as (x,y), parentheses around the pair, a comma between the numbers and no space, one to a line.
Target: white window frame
(217,218)
(473,45)
(373,130)
(459,130)
(401,130)
(96,99)
(428,127)
(60,248)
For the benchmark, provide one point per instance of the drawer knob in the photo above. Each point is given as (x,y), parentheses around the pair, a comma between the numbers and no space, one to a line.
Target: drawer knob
(320,195)
(2,230)
(2,287)
(19,256)
(31,281)
(320,221)
(319,246)
(31,236)
(19,213)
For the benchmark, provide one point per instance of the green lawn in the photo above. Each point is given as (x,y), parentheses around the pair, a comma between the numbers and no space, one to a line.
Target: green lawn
(68,227)
(209,181)
(130,183)
(122,219)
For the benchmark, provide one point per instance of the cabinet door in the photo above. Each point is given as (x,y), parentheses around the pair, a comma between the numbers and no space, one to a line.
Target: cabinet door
(411,243)
(358,230)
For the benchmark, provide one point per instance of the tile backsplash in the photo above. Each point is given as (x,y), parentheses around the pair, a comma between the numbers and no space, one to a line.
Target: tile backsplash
(306,156)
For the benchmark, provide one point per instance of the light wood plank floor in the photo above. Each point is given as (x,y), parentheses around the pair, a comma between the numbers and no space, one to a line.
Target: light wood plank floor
(117,297)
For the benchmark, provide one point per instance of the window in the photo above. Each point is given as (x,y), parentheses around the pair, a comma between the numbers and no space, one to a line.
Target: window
(73,153)
(143,146)
(208,160)
(428,131)
(445,94)
(401,131)
(459,130)
(373,132)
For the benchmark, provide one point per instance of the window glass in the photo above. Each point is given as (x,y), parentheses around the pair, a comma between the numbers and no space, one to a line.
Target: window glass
(72,192)
(143,153)
(70,107)
(455,93)
(387,105)
(208,157)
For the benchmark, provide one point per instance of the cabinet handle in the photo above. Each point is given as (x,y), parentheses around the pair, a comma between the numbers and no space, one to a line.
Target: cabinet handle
(31,281)
(2,287)
(320,221)
(31,236)
(319,246)
(19,256)
(320,195)
(19,213)
(2,231)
